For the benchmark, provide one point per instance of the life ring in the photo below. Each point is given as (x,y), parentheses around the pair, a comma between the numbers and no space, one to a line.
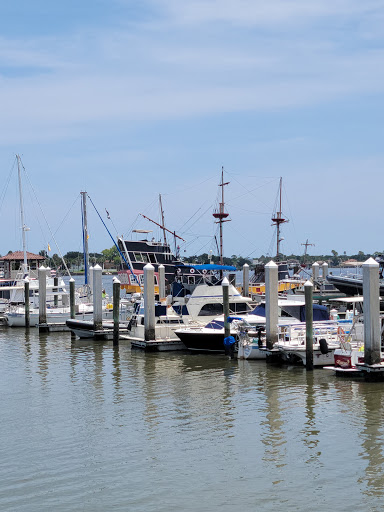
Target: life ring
(192,271)
(341,333)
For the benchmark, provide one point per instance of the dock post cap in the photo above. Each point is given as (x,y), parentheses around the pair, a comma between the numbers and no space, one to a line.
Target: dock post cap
(271,264)
(370,263)
(225,282)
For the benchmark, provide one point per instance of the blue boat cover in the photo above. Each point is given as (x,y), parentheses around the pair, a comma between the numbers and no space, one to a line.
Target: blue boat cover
(215,324)
(319,312)
(209,266)
(229,340)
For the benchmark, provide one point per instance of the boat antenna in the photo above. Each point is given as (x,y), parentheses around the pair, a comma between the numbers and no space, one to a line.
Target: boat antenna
(277,219)
(220,214)
(24,228)
(162,219)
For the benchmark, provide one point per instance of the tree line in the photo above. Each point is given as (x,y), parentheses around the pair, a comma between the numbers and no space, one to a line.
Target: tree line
(112,259)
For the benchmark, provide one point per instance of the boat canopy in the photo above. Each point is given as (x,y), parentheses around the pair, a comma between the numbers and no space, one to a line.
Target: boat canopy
(297,311)
(209,266)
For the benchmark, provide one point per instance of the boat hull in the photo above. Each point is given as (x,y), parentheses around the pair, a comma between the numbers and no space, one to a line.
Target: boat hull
(203,342)
(298,355)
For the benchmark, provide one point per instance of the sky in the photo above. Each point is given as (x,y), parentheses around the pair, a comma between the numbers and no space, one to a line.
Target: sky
(130,100)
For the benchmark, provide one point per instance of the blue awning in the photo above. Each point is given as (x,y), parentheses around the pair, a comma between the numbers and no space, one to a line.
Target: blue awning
(209,267)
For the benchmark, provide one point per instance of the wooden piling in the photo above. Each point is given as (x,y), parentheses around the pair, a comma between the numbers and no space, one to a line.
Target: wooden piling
(225,287)
(72,298)
(26,301)
(324,268)
(308,293)
(55,290)
(116,310)
(42,276)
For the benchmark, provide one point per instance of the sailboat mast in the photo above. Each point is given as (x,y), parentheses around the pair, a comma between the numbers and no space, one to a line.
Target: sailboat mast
(162,219)
(85,236)
(221,215)
(221,220)
(278,219)
(23,226)
(278,226)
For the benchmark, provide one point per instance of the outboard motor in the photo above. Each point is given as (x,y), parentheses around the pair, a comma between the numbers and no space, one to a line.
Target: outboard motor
(259,340)
(323,346)
(229,346)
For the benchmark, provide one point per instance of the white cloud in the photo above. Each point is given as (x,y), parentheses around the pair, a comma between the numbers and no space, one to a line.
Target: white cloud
(167,70)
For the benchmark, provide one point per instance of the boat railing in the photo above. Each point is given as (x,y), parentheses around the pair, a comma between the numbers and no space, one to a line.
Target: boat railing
(295,334)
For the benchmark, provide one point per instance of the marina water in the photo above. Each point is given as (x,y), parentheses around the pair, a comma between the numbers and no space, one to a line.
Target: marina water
(88,427)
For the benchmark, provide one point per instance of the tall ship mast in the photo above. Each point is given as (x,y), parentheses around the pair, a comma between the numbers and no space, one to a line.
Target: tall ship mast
(220,214)
(278,219)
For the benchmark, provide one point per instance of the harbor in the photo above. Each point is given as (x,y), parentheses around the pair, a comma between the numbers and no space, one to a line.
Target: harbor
(191,264)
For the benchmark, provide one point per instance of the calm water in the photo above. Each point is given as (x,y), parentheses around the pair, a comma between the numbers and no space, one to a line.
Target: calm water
(91,428)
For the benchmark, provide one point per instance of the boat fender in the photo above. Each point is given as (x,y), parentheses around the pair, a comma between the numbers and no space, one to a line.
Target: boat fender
(323,346)
(341,333)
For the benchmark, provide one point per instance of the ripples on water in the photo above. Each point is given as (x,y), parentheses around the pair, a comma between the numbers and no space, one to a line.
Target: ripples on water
(88,427)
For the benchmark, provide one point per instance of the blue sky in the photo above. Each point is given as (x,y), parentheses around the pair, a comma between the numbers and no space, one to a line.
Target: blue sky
(129,100)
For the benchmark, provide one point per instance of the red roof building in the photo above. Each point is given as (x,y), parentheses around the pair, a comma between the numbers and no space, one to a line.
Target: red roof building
(12,262)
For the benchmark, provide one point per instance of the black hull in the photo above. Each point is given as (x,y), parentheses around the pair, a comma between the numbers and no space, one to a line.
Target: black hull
(350,286)
(198,342)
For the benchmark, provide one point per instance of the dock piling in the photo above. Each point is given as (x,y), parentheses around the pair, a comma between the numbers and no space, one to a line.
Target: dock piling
(116,311)
(315,272)
(225,287)
(271,303)
(245,280)
(97,298)
(26,301)
(308,293)
(55,290)
(72,297)
(149,302)
(161,282)
(42,276)
(371,293)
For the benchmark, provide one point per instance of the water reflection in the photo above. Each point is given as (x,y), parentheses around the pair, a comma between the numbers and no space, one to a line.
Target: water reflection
(42,359)
(273,438)
(311,433)
(372,433)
